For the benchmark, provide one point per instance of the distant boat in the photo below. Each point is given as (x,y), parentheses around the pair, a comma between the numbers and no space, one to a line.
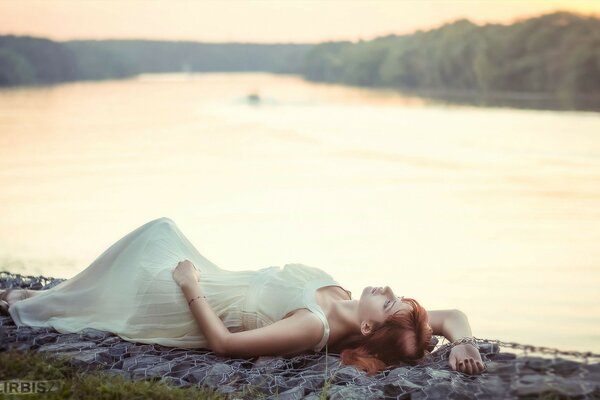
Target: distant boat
(253,98)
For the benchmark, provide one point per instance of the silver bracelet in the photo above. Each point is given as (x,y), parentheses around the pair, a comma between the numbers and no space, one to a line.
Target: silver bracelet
(465,340)
(197,297)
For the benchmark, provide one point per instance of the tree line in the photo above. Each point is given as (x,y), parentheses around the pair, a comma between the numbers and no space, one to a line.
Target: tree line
(28,60)
(557,53)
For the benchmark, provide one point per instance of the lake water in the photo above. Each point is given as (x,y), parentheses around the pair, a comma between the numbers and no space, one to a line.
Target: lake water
(493,211)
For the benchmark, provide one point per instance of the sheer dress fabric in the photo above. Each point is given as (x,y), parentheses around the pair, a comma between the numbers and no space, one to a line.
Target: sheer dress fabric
(129,290)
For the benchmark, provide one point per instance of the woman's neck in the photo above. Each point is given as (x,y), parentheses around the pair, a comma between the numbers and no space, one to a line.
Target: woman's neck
(341,312)
(345,312)
(342,316)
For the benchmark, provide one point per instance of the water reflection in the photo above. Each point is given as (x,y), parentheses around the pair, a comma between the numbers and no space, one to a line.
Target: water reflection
(530,101)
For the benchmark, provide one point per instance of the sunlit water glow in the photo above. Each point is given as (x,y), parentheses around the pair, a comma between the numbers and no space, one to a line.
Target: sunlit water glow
(494,211)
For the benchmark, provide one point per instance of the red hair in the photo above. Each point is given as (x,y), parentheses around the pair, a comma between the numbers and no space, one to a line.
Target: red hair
(403,337)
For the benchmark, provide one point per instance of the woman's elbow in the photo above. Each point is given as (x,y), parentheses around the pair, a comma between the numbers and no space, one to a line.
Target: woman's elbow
(459,313)
(231,346)
(220,347)
(219,351)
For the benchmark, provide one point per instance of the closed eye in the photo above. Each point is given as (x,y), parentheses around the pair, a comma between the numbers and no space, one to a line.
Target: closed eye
(387,303)
(392,306)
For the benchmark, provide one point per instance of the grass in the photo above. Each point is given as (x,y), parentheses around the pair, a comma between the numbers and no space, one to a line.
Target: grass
(96,384)
(324,392)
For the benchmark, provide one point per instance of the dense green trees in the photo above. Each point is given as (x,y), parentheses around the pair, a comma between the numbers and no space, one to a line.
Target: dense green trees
(27,60)
(14,69)
(557,53)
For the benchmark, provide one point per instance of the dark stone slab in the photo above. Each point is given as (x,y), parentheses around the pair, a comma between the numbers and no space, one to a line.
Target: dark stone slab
(295,393)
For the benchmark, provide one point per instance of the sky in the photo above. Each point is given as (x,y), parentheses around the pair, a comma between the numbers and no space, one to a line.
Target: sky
(260,21)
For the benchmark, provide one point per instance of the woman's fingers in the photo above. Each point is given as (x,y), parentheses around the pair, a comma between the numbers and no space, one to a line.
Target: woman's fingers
(481,366)
(474,366)
(468,366)
(452,363)
(468,369)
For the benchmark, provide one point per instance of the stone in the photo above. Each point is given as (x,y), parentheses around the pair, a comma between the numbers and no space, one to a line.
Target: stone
(141,361)
(573,389)
(196,375)
(217,374)
(498,368)
(160,369)
(531,384)
(65,347)
(180,369)
(88,356)
(45,338)
(439,373)
(295,393)
(110,341)
(564,367)
(269,360)
(331,362)
(313,381)
(94,334)
(353,392)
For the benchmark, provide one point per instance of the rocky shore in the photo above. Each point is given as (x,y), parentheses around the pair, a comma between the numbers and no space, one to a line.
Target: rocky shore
(508,375)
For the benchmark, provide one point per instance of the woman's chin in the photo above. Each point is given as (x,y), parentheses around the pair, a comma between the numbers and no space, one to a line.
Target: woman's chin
(366,291)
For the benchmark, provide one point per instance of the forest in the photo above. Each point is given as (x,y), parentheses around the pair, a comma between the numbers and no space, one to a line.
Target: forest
(28,60)
(556,54)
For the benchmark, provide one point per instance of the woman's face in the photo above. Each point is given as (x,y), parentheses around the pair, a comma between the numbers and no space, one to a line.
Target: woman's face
(376,304)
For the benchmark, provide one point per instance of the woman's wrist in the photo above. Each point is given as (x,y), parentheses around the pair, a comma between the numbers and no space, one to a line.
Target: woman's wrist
(191,290)
(189,285)
(195,298)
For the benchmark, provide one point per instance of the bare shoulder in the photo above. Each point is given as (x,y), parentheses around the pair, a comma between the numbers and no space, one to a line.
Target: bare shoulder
(306,318)
(437,318)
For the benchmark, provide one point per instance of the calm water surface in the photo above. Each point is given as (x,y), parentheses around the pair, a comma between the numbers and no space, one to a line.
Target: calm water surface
(494,211)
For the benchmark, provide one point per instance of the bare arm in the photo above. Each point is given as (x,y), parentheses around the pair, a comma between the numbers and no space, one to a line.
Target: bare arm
(452,324)
(296,334)
(210,324)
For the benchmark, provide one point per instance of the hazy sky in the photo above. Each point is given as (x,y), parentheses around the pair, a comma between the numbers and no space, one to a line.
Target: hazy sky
(259,21)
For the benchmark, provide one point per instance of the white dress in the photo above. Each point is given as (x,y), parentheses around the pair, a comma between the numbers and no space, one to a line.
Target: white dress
(129,290)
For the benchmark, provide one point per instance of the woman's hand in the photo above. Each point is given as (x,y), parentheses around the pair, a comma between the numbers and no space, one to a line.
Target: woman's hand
(185,272)
(466,358)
